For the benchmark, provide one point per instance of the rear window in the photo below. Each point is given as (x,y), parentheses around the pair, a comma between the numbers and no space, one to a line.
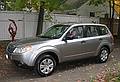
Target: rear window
(102,30)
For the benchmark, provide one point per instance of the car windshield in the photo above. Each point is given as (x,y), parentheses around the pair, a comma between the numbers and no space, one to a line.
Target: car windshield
(55,31)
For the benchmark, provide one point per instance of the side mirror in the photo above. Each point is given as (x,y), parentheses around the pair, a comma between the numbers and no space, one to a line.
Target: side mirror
(64,39)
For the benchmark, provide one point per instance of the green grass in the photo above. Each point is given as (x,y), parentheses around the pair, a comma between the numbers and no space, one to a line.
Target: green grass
(117,78)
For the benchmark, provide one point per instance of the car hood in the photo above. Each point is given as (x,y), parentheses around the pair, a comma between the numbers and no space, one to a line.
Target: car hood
(31,41)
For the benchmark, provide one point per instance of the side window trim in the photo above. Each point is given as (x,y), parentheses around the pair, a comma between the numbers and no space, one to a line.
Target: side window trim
(86,28)
(82,30)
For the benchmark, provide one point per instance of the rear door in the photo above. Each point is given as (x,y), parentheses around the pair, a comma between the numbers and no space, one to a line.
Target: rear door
(90,41)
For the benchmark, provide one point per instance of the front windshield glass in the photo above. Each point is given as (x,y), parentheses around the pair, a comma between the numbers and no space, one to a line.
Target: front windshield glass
(55,31)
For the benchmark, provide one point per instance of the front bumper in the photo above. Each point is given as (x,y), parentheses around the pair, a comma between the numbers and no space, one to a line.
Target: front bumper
(23,58)
(13,57)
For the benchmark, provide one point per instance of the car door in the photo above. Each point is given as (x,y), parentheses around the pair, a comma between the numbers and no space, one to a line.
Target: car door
(71,48)
(91,41)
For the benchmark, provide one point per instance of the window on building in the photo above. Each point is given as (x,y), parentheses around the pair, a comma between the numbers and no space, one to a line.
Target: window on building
(92,14)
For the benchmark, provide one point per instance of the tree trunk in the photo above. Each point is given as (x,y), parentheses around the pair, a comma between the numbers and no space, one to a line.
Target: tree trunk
(110,8)
(40,19)
(113,12)
(110,22)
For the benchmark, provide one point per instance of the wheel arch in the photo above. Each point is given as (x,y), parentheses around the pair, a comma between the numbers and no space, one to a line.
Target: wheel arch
(101,46)
(106,46)
(53,54)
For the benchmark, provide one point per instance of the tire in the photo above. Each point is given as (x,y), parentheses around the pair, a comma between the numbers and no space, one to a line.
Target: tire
(45,65)
(103,55)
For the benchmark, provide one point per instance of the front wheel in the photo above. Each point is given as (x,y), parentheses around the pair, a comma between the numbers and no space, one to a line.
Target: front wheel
(103,55)
(45,65)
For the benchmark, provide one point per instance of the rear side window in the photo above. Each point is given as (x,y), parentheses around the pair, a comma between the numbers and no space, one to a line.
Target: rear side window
(90,31)
(102,30)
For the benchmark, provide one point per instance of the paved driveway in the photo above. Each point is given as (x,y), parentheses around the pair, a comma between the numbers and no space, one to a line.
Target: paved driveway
(66,72)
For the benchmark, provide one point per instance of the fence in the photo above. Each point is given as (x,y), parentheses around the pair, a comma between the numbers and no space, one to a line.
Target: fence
(27,23)
(115,27)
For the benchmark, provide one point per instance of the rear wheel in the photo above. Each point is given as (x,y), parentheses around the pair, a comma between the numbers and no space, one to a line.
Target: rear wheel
(45,65)
(103,55)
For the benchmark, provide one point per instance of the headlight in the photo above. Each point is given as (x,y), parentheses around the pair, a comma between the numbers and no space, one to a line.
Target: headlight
(23,49)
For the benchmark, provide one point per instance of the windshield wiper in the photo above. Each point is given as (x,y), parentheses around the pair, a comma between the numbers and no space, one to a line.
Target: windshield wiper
(50,37)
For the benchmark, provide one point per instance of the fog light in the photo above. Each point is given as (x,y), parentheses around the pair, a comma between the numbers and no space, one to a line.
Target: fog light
(6,56)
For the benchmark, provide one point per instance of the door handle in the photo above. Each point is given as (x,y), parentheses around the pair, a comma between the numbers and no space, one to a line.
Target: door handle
(83,42)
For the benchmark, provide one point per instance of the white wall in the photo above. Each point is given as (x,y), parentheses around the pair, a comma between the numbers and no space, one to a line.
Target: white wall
(27,23)
(4,23)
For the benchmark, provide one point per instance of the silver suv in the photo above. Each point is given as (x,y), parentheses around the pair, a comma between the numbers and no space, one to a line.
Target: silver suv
(60,43)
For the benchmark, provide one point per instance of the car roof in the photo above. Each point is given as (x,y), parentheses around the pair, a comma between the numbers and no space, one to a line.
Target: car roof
(76,24)
(89,24)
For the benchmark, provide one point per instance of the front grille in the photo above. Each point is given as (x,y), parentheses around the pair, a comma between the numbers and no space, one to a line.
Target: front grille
(11,48)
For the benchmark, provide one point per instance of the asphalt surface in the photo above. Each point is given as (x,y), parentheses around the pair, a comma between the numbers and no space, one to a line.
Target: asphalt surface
(74,71)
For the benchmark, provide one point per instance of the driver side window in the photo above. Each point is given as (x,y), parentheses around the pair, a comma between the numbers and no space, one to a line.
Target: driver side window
(75,33)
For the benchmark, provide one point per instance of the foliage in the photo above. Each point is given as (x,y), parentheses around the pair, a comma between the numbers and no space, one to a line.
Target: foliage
(66,7)
(19,5)
(53,5)
(97,2)
(15,4)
